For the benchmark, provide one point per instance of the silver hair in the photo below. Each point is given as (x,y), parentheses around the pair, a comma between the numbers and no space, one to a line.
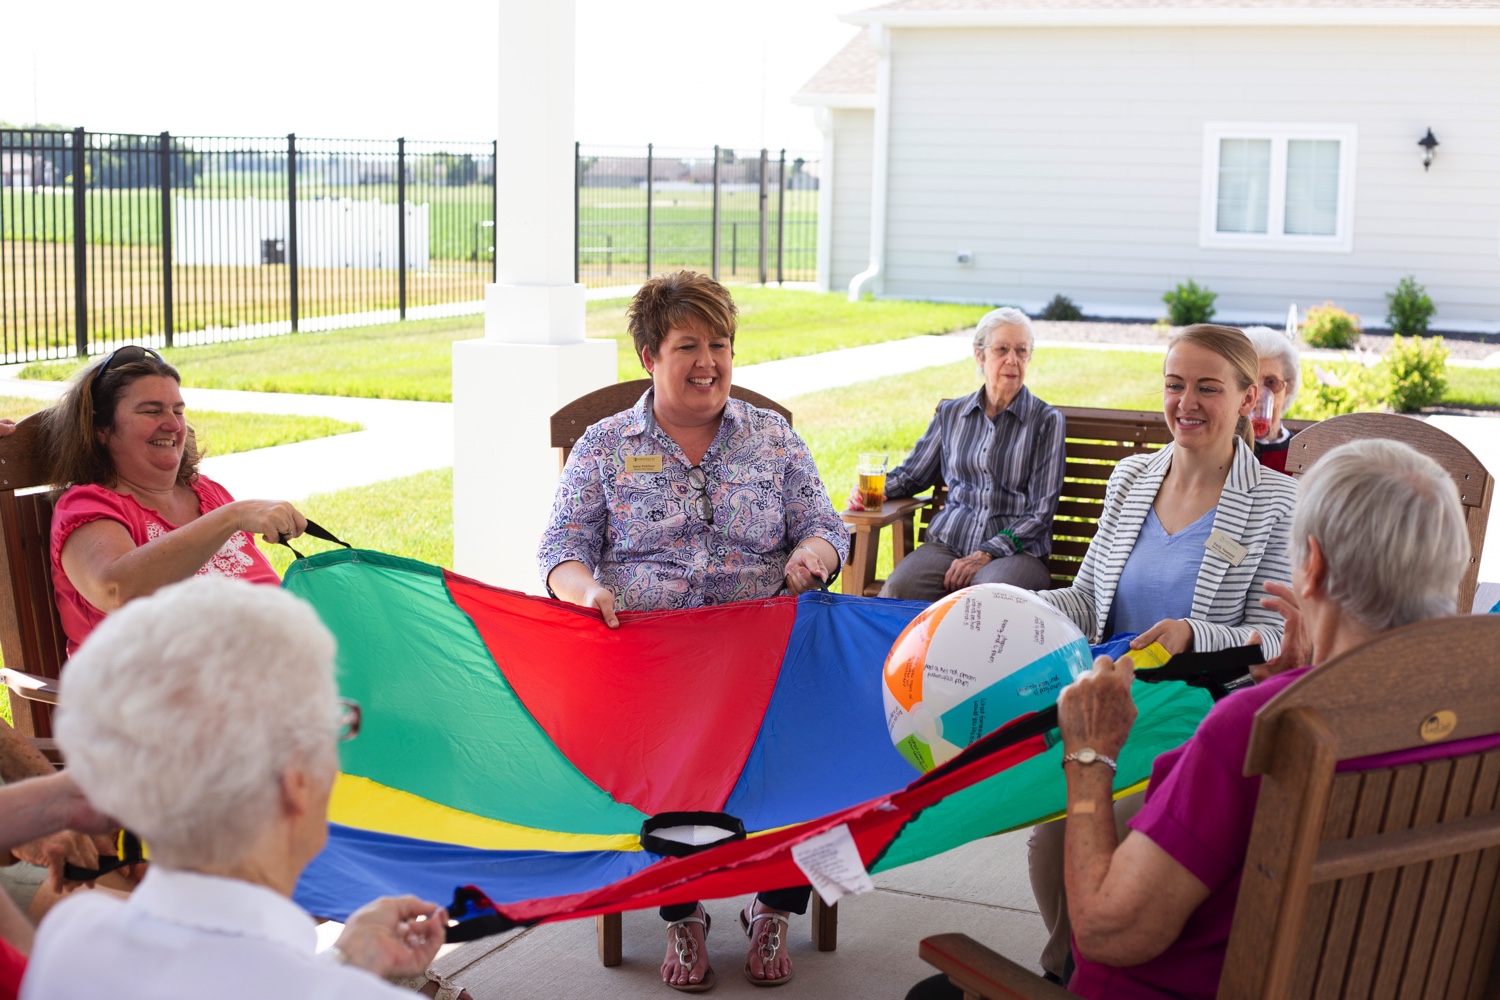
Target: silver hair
(1391,528)
(1278,346)
(1004,316)
(182,711)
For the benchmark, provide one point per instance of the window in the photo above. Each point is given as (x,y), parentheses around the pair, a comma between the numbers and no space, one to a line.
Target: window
(1278,186)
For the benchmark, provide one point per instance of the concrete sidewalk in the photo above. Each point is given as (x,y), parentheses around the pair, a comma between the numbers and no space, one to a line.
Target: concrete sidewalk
(401,438)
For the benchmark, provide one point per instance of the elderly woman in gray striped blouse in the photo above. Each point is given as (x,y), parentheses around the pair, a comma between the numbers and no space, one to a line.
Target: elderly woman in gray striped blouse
(1187,541)
(1000,450)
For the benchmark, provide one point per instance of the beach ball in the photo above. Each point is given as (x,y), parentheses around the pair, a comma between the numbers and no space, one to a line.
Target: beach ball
(972,662)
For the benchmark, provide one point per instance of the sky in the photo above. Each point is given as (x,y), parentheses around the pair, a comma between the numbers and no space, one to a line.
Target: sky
(674,72)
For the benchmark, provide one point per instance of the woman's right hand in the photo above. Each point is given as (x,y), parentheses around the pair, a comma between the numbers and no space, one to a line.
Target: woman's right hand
(601,597)
(277,520)
(856,499)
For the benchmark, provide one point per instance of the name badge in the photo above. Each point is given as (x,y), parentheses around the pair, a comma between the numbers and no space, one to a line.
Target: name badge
(1226,548)
(642,463)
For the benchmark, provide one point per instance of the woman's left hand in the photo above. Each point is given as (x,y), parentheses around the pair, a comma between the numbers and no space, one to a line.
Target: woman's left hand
(1175,635)
(804,571)
(1097,710)
(394,936)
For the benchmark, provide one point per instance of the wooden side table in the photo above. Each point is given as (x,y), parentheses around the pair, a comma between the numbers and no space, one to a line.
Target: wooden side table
(865,527)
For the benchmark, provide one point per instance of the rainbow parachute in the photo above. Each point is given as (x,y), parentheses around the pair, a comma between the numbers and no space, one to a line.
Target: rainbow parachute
(515,744)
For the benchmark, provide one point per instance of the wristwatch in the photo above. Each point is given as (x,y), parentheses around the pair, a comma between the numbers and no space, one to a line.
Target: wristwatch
(1088,755)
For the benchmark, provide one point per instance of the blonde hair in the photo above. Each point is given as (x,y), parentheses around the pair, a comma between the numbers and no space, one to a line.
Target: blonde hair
(1231,344)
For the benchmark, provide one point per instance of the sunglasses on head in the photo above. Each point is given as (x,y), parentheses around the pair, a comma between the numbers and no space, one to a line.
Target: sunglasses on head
(125,355)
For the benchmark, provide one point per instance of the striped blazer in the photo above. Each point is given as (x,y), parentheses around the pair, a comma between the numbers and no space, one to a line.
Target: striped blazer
(1255,510)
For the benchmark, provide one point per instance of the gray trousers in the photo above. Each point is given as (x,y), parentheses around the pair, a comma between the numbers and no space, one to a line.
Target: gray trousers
(919,577)
(1044,856)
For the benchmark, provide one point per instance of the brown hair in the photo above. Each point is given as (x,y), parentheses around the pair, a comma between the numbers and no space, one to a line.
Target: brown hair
(70,426)
(676,300)
(1231,344)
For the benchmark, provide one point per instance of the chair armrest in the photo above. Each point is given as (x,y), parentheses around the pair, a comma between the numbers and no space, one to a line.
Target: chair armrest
(29,686)
(47,748)
(889,513)
(976,969)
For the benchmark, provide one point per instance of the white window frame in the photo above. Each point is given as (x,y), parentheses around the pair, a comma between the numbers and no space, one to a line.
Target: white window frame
(1342,240)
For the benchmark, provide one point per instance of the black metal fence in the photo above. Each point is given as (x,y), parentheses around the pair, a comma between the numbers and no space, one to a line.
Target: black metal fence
(743,216)
(109,238)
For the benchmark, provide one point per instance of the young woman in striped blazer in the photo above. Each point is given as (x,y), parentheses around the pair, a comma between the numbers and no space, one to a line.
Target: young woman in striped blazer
(1187,541)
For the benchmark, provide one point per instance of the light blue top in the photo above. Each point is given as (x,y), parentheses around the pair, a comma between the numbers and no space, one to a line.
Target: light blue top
(1158,579)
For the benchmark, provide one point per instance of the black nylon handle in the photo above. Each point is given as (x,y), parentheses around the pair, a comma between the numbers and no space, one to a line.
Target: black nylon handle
(316,530)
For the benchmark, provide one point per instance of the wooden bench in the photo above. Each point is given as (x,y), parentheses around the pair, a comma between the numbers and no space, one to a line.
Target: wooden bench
(1373,883)
(1096,441)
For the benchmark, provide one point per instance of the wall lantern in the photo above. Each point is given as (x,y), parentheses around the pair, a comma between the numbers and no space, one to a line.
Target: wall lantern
(1429,146)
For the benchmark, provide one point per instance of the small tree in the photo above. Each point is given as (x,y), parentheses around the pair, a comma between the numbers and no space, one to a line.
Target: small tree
(1408,308)
(1189,303)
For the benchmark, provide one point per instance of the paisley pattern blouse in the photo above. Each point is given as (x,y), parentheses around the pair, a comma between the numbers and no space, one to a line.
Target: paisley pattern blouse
(645,534)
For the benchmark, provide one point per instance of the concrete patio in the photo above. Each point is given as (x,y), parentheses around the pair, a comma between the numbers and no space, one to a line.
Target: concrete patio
(980,889)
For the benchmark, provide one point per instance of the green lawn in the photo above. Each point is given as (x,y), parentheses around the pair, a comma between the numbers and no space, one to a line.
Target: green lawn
(414,360)
(225,433)
(1477,387)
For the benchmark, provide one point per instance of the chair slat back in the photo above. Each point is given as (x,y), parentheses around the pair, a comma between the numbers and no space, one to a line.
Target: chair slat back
(1379,882)
(31,635)
(569,423)
(1476,486)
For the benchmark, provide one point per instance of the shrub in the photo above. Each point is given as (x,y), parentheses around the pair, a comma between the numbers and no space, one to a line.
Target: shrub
(1329,326)
(1414,373)
(1408,308)
(1189,303)
(1347,387)
(1062,308)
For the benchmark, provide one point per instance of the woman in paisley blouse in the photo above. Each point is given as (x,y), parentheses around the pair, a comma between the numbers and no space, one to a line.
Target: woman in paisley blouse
(136,514)
(687,499)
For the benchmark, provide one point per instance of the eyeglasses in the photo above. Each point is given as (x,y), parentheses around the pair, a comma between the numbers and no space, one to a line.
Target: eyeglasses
(1004,351)
(1273,384)
(698,480)
(349,719)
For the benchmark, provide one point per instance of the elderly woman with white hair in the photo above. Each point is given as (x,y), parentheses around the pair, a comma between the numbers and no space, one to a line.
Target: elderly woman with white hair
(1000,450)
(1280,378)
(205,719)
(1378,541)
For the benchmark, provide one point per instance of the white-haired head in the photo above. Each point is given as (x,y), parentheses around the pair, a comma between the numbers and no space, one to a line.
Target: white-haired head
(1004,316)
(182,711)
(1275,345)
(1391,528)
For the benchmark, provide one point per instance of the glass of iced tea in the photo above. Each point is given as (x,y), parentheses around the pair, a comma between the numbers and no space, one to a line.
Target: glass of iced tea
(872,466)
(1260,418)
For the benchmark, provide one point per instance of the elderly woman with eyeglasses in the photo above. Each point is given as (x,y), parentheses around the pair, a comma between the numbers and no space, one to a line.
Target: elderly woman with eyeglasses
(135,513)
(1001,452)
(1280,378)
(691,498)
(206,719)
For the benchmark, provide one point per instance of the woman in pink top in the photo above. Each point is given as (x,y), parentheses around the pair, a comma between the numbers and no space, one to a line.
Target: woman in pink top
(136,514)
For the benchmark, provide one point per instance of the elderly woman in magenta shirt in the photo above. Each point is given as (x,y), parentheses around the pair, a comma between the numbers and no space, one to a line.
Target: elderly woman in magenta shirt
(691,498)
(1378,541)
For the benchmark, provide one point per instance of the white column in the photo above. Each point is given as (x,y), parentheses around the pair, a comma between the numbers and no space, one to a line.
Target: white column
(534,357)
